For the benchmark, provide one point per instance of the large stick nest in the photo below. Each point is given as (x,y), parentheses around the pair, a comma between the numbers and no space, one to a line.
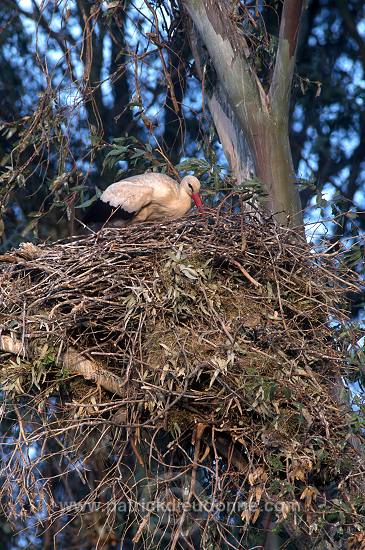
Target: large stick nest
(219,326)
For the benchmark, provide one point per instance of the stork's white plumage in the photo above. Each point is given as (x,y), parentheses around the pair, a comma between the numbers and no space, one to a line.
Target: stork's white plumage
(151,197)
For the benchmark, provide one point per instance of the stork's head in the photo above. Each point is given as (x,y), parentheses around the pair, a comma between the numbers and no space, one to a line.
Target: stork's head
(191,185)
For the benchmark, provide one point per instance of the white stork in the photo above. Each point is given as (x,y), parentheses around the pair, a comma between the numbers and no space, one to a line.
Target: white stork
(146,197)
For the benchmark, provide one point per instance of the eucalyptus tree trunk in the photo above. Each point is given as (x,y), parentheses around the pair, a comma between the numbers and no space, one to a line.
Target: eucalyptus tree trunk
(251,121)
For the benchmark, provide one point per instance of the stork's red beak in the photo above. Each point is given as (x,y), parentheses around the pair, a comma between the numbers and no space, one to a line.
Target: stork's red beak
(198,202)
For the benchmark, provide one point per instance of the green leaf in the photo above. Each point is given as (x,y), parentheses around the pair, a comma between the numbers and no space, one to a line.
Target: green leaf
(88,202)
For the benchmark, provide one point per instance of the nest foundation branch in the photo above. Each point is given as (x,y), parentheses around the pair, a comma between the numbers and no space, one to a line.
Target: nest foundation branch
(73,363)
(9,344)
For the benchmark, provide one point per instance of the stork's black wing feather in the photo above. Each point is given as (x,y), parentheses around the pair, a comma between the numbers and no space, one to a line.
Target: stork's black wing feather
(102,213)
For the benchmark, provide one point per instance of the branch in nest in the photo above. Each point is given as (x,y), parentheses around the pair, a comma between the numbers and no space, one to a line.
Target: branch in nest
(74,363)
(245,273)
(10,344)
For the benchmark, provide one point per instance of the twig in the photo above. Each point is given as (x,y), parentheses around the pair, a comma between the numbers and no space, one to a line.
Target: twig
(245,273)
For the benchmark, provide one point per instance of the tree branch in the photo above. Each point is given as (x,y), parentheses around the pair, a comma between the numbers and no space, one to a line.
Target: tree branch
(246,107)
(279,93)
(228,51)
(60,37)
(231,135)
(74,363)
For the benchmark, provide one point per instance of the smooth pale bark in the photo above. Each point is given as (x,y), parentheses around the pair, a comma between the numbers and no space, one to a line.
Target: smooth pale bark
(229,130)
(262,118)
(274,167)
(281,82)
(232,138)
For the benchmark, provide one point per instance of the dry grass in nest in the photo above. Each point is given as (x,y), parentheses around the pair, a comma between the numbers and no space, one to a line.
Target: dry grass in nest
(215,328)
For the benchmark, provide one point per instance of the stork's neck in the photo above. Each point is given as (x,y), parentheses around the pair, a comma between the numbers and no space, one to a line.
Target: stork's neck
(183,192)
(177,204)
(184,197)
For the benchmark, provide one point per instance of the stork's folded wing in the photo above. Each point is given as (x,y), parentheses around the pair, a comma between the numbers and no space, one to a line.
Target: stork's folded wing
(131,197)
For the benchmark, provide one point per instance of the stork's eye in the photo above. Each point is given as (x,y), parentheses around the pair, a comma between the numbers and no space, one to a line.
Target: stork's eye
(191,187)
